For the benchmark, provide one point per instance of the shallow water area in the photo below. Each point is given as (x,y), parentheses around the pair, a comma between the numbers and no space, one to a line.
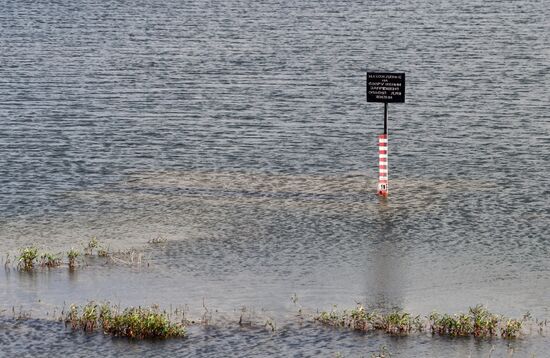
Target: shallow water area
(272,245)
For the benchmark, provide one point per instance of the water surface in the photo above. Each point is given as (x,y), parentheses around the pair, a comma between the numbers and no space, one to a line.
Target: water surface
(239,132)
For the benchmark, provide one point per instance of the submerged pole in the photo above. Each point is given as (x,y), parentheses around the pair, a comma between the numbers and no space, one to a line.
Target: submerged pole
(383,164)
(383,157)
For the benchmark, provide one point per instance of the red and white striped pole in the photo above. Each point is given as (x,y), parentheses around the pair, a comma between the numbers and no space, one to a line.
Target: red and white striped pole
(383,165)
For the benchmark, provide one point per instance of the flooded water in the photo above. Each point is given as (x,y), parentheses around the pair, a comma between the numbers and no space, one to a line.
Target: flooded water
(239,133)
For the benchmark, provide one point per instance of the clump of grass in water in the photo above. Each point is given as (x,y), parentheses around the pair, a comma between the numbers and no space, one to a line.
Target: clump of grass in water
(511,329)
(478,322)
(101,252)
(359,319)
(451,325)
(399,322)
(92,244)
(138,323)
(72,255)
(27,258)
(49,260)
(485,323)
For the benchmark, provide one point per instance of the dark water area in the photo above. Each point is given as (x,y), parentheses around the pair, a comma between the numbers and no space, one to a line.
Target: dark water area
(290,340)
(239,132)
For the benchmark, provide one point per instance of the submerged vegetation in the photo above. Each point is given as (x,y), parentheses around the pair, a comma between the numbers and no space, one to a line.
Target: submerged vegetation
(133,322)
(140,323)
(92,244)
(72,255)
(49,260)
(27,258)
(360,319)
(30,257)
(478,322)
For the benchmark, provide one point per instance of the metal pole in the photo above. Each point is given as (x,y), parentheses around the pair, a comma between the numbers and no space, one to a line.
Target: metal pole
(383,157)
(383,165)
(385,117)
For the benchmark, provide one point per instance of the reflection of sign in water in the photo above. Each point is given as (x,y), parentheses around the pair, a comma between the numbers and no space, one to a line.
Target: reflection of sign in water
(385,87)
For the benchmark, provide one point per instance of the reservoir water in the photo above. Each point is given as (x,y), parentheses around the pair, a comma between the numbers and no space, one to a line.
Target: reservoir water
(239,132)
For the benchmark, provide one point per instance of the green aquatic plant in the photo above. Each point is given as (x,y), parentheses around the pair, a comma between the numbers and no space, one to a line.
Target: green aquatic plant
(485,323)
(105,315)
(92,244)
(451,325)
(72,255)
(511,328)
(101,252)
(359,319)
(49,260)
(134,322)
(478,322)
(399,322)
(27,258)
(332,318)
(72,317)
(89,317)
(144,323)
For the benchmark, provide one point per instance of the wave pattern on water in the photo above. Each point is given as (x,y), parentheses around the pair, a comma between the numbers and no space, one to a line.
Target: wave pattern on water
(239,132)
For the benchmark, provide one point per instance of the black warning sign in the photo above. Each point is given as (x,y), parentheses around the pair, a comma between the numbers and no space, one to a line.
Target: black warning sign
(385,87)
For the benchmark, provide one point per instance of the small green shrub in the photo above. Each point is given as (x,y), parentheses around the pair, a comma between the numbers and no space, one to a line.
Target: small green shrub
(511,328)
(138,323)
(49,260)
(451,325)
(102,252)
(27,258)
(72,255)
(399,322)
(478,322)
(92,244)
(485,323)
(361,320)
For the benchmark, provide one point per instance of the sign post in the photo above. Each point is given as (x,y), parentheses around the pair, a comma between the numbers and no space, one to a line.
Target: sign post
(386,88)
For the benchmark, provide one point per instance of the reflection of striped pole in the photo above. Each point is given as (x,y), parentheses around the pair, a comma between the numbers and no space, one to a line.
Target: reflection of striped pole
(383,165)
